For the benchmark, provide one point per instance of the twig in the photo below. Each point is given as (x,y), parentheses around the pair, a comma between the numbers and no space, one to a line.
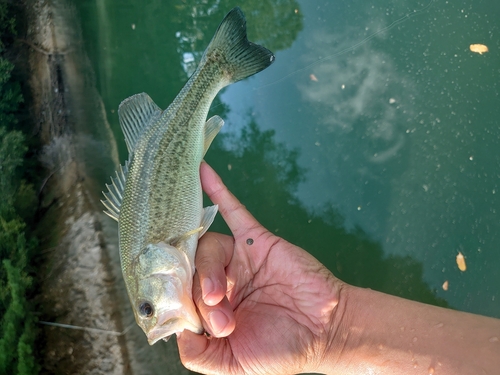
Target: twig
(95,330)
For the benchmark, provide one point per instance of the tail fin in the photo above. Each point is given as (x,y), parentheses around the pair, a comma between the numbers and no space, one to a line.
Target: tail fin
(245,58)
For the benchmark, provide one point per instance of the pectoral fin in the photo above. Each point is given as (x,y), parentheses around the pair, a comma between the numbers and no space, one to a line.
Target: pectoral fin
(177,240)
(212,128)
(208,218)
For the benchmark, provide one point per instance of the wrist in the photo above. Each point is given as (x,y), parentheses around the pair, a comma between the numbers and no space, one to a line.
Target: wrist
(337,356)
(325,347)
(372,333)
(375,332)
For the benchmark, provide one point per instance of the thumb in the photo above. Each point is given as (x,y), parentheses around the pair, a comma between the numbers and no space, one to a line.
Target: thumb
(198,353)
(191,346)
(204,355)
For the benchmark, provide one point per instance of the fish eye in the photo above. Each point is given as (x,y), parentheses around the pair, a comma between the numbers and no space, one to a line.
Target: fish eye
(146,309)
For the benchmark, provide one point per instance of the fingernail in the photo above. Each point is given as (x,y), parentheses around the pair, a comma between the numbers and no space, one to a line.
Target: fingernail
(218,321)
(207,287)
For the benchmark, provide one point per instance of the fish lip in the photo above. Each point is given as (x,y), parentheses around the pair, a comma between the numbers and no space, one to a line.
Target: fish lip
(170,322)
(162,332)
(163,328)
(159,333)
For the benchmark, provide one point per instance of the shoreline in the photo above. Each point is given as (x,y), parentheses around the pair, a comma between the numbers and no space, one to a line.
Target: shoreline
(77,277)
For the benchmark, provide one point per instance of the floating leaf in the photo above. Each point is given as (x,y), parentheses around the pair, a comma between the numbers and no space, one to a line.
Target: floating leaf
(461,262)
(445,285)
(478,48)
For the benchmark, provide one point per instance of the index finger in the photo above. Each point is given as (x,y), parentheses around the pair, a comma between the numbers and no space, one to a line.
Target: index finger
(234,213)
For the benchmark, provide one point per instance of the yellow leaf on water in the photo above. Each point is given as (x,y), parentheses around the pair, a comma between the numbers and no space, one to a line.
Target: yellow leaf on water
(461,262)
(478,48)
(445,285)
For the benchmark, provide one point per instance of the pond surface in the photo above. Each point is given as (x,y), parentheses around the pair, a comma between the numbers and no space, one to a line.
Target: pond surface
(372,141)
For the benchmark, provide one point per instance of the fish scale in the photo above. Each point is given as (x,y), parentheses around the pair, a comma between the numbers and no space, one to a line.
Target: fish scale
(156,196)
(174,157)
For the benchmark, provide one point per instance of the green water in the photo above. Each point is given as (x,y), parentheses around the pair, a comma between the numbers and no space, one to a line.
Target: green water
(372,142)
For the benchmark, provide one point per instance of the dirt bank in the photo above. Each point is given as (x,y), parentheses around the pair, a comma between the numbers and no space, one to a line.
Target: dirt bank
(78,283)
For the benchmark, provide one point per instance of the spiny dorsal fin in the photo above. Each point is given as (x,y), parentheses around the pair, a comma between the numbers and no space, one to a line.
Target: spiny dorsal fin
(114,196)
(136,113)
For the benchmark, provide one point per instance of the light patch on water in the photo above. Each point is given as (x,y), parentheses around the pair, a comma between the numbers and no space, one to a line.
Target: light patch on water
(350,87)
(362,105)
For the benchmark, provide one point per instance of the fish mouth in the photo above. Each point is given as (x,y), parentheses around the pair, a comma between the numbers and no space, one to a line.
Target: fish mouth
(170,322)
(175,325)
(162,332)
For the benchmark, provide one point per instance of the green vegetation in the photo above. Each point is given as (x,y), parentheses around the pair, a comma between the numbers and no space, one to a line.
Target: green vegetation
(17,322)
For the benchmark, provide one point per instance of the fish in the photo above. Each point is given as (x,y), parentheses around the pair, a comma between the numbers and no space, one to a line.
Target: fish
(156,195)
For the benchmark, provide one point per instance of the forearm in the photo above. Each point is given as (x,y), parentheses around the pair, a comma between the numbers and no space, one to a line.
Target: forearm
(382,334)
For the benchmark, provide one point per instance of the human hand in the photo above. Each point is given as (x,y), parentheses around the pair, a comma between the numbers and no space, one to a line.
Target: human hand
(267,304)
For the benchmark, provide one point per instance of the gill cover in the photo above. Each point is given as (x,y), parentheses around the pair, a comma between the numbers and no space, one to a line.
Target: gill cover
(163,303)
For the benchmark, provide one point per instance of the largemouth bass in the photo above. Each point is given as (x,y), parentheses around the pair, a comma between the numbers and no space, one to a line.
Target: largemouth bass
(156,196)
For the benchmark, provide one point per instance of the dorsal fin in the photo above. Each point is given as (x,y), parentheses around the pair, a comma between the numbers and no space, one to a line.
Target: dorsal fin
(114,196)
(136,113)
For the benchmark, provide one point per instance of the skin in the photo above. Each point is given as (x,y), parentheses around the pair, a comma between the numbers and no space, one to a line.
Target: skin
(272,308)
